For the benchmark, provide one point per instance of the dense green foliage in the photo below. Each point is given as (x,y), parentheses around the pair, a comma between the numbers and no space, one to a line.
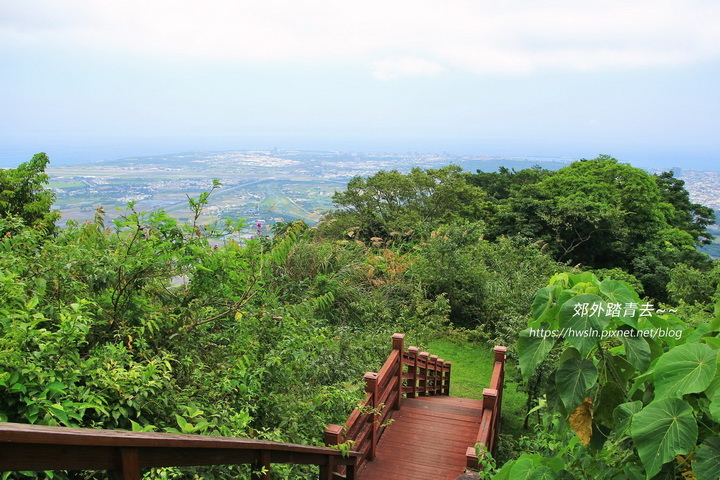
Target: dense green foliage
(146,323)
(488,284)
(151,324)
(24,200)
(392,203)
(597,214)
(637,385)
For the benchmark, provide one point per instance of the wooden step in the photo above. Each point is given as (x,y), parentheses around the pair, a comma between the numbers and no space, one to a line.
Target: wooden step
(427,440)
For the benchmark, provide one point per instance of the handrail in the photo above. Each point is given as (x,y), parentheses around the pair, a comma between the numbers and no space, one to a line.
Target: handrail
(125,454)
(424,375)
(492,402)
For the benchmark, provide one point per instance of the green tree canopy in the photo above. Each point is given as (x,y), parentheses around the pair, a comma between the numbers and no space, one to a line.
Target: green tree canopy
(502,184)
(24,196)
(417,201)
(598,213)
(690,217)
(604,214)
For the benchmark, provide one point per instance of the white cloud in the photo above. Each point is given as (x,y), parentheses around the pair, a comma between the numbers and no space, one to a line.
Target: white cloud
(391,39)
(405,67)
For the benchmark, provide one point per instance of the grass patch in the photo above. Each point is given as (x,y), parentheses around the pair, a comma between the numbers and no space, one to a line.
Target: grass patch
(472,366)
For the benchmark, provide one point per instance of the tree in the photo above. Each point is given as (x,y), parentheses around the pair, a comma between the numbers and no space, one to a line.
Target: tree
(689,217)
(417,201)
(501,184)
(488,285)
(604,214)
(24,197)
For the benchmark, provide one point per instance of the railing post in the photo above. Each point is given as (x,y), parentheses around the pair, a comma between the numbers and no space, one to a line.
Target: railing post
(489,398)
(333,434)
(129,465)
(327,471)
(432,367)
(261,467)
(412,371)
(446,378)
(440,374)
(398,340)
(500,356)
(490,401)
(422,383)
(371,386)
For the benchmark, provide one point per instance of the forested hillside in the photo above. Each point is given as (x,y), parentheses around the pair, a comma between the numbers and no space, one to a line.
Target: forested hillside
(145,323)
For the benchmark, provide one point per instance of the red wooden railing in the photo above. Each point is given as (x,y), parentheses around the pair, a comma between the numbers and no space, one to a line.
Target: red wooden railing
(492,401)
(424,375)
(124,454)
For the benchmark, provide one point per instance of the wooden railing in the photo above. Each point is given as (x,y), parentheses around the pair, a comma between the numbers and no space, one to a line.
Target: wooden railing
(492,402)
(125,454)
(423,375)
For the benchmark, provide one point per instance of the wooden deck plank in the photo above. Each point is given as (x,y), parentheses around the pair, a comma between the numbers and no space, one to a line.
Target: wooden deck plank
(427,439)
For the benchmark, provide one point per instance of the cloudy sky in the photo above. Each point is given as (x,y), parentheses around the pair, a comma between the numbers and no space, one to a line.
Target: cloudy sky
(94,79)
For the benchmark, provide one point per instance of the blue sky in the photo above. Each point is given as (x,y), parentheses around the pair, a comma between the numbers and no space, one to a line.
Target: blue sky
(91,80)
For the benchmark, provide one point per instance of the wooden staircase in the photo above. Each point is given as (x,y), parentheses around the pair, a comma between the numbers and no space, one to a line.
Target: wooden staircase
(428,439)
(409,427)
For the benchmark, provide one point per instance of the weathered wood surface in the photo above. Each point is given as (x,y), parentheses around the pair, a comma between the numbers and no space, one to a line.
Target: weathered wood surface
(427,439)
(35,447)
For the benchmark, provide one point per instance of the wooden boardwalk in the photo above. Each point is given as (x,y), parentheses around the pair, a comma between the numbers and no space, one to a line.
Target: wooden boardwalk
(431,437)
(427,439)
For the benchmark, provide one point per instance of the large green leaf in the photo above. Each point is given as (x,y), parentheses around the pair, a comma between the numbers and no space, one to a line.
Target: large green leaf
(713,342)
(543,473)
(656,348)
(714,386)
(697,334)
(663,429)
(708,460)
(637,351)
(504,472)
(584,277)
(573,379)
(527,467)
(715,324)
(580,323)
(619,293)
(714,407)
(531,466)
(611,395)
(618,367)
(623,415)
(687,368)
(531,351)
(522,469)
(542,305)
